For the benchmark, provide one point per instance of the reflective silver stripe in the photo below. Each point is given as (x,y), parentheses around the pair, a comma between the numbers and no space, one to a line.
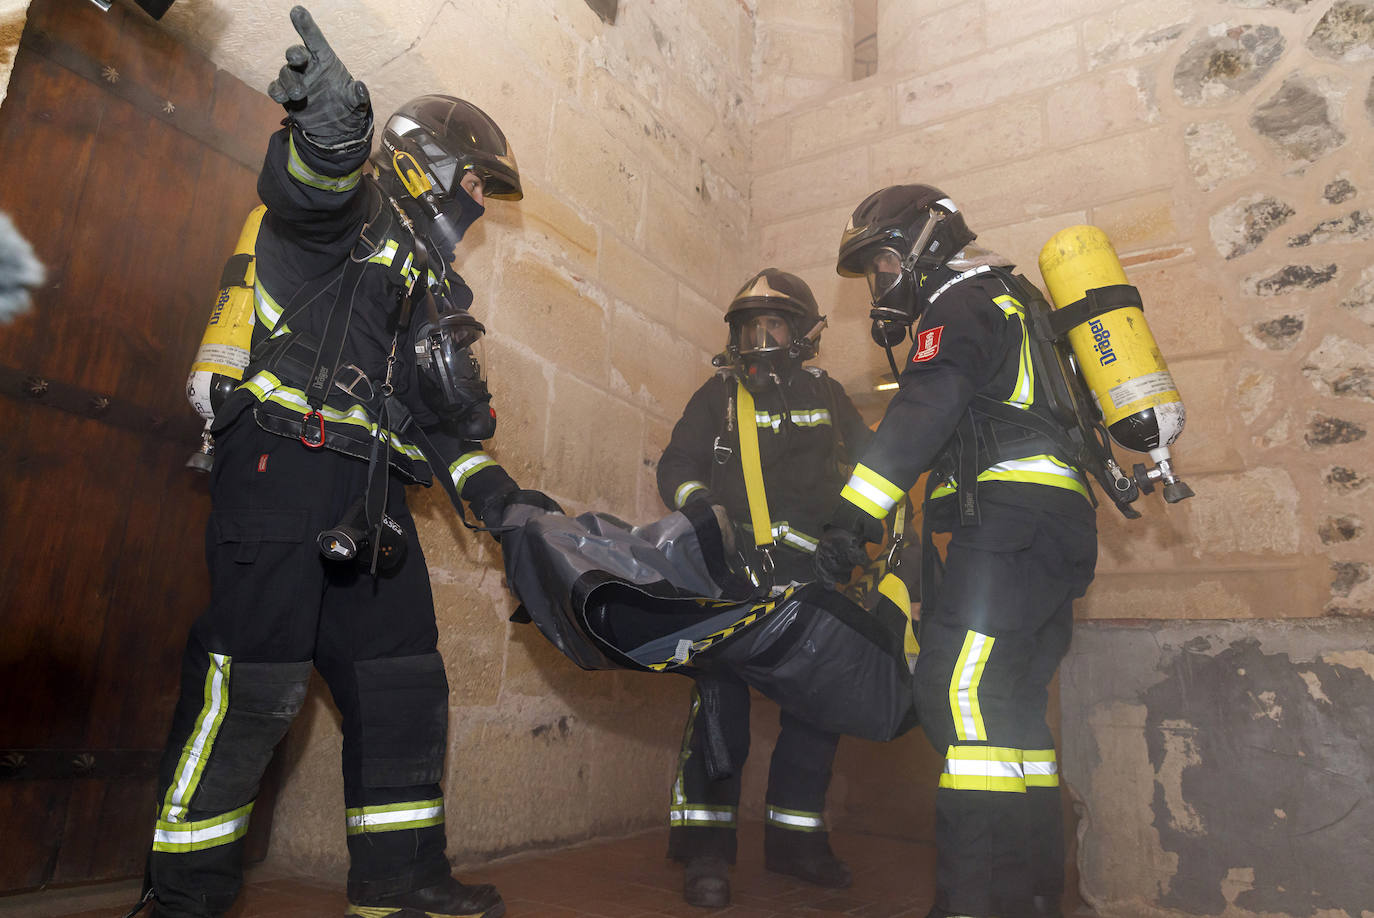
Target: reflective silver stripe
(206,833)
(394,816)
(387,254)
(302,173)
(198,744)
(724,816)
(974,659)
(798,540)
(1039,768)
(468,465)
(981,269)
(794,819)
(266,387)
(685,490)
(815,418)
(872,493)
(984,768)
(265,307)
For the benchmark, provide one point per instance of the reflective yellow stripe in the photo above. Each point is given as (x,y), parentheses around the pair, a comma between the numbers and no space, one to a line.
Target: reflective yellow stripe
(983,768)
(679,798)
(703,816)
(685,491)
(1043,469)
(267,387)
(796,820)
(1041,767)
(1024,392)
(963,686)
(467,465)
(753,470)
(307,176)
(392,817)
(871,492)
(180,837)
(196,751)
(265,309)
(818,417)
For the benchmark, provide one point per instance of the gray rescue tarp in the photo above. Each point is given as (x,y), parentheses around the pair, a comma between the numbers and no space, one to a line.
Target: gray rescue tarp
(662,598)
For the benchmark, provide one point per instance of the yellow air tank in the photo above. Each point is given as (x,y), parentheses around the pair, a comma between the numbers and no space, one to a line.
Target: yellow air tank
(223,352)
(1117,355)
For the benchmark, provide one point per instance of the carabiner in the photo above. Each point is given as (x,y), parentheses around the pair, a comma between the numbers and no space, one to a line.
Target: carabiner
(308,436)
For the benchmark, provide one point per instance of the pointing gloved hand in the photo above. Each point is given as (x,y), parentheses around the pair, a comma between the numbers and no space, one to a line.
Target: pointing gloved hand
(318,92)
(837,554)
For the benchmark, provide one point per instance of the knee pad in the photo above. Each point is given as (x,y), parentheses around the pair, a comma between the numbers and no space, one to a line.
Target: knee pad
(263,700)
(403,712)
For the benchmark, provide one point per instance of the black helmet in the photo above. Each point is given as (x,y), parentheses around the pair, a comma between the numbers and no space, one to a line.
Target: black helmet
(427,145)
(775,325)
(893,232)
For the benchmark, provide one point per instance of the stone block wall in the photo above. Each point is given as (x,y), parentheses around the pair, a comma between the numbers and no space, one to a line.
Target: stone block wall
(1222,145)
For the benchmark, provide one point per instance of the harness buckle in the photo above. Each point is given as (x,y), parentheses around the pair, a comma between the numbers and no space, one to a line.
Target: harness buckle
(722,451)
(309,436)
(352,386)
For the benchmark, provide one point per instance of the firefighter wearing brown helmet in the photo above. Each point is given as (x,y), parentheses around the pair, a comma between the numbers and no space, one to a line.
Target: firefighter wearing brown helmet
(805,430)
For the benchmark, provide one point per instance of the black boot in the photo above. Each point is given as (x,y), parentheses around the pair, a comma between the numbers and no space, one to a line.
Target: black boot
(706,882)
(820,867)
(449,899)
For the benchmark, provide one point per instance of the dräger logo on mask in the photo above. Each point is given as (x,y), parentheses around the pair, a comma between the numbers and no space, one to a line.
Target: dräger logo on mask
(927,344)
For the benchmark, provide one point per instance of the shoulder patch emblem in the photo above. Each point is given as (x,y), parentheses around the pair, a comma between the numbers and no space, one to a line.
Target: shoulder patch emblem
(928,344)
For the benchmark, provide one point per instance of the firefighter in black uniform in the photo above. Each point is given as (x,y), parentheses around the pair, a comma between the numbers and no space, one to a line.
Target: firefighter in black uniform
(807,430)
(996,621)
(362,380)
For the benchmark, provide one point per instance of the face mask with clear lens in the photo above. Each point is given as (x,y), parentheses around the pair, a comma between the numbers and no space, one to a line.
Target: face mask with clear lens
(884,271)
(764,334)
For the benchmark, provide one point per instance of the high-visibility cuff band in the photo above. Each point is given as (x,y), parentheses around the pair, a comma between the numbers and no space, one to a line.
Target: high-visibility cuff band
(719,817)
(685,490)
(797,820)
(393,817)
(860,500)
(180,837)
(307,176)
(466,466)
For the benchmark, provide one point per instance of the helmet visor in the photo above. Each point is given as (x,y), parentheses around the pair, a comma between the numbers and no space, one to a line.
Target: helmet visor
(884,271)
(763,333)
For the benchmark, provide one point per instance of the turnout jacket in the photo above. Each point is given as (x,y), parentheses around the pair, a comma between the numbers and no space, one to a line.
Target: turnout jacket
(323,209)
(971,340)
(802,426)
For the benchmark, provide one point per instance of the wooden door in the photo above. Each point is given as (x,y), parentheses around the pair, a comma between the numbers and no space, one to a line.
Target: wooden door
(129,162)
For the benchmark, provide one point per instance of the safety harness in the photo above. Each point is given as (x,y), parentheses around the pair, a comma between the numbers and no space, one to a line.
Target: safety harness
(297,356)
(1063,424)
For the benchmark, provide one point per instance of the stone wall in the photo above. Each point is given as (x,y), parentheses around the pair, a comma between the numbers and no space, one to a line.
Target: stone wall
(1224,148)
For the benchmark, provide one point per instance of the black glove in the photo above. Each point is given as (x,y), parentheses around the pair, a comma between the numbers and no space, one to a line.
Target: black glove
(491,509)
(533,499)
(319,94)
(837,554)
(702,494)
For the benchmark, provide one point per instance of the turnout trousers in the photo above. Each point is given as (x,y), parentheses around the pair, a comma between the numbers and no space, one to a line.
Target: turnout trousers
(277,610)
(703,814)
(993,631)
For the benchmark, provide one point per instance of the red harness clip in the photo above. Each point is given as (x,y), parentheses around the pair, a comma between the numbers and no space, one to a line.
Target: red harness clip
(308,435)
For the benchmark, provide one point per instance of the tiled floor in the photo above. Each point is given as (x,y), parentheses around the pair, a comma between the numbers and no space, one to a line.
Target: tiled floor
(622,878)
